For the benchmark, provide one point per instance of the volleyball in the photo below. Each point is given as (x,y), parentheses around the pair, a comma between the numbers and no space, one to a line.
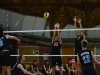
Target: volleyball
(46,15)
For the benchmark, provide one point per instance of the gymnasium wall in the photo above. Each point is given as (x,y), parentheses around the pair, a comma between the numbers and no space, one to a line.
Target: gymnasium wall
(18,22)
(29,50)
(66,50)
(42,49)
(69,50)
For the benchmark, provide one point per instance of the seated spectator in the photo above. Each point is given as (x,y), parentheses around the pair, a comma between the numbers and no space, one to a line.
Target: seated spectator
(73,62)
(46,68)
(74,66)
(34,68)
(71,69)
(19,68)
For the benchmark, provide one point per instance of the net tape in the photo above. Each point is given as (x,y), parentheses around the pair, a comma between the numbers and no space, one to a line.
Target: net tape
(26,31)
(49,55)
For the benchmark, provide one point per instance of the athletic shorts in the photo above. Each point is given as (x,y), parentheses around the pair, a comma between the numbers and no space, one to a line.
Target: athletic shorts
(56,61)
(88,71)
(5,58)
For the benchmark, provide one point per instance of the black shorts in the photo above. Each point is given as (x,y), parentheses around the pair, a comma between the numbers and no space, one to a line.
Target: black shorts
(5,58)
(88,71)
(56,61)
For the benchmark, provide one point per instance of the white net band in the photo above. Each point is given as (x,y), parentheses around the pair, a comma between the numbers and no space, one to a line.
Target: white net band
(26,31)
(49,55)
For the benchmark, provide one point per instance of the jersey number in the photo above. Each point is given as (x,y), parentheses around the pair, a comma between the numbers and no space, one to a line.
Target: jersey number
(86,59)
(55,43)
(1,43)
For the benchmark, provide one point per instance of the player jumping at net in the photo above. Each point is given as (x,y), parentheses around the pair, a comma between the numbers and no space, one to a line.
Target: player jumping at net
(4,51)
(85,58)
(56,47)
(79,37)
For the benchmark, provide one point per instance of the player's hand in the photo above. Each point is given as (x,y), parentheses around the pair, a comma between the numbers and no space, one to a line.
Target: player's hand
(58,25)
(75,19)
(79,20)
(74,71)
(18,41)
(46,72)
(69,70)
(55,26)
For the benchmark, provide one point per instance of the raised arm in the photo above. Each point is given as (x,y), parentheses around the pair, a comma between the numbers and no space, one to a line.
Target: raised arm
(14,38)
(82,32)
(58,33)
(75,20)
(54,33)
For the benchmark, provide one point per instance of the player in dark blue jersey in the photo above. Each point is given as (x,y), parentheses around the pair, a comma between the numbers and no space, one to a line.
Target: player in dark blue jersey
(85,58)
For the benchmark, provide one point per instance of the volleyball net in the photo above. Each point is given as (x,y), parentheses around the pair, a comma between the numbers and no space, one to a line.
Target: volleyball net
(37,43)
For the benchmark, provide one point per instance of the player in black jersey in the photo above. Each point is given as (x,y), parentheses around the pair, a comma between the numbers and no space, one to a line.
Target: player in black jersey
(46,68)
(56,47)
(85,58)
(34,68)
(4,51)
(18,68)
(69,68)
(79,37)
(13,49)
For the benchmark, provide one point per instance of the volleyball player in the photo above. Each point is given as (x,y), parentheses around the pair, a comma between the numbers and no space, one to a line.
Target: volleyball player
(18,68)
(13,49)
(85,58)
(56,47)
(4,51)
(79,36)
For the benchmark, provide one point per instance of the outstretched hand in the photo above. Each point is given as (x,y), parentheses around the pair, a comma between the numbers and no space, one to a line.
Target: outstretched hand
(79,20)
(75,19)
(57,25)
(18,41)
